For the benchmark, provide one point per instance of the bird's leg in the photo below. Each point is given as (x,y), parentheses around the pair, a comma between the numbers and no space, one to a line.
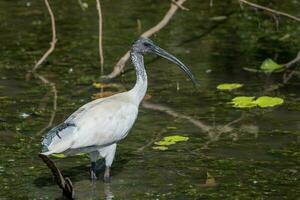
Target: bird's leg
(94,156)
(93,171)
(106,178)
(100,166)
(108,153)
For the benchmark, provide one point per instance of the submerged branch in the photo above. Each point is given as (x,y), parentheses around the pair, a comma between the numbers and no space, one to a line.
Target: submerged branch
(272,11)
(168,16)
(293,62)
(100,37)
(170,111)
(53,42)
(290,73)
(54,104)
(63,182)
(42,59)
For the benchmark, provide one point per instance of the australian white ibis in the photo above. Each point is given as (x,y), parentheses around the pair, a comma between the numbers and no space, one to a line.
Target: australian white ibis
(97,126)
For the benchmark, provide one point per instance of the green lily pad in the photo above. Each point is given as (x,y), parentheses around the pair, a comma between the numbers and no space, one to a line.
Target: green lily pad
(249,102)
(61,155)
(169,140)
(266,101)
(58,155)
(270,65)
(243,102)
(229,86)
(161,148)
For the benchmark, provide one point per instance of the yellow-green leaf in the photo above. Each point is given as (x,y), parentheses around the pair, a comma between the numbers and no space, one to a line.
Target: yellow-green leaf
(266,101)
(161,148)
(61,155)
(99,85)
(229,86)
(249,102)
(243,102)
(270,65)
(169,140)
(58,155)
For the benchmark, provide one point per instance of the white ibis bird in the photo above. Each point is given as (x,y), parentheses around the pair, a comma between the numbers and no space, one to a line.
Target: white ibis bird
(97,126)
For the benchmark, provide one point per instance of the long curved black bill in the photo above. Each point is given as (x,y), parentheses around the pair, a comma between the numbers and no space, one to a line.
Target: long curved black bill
(159,51)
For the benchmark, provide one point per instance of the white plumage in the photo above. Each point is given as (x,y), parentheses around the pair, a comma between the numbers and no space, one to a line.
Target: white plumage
(97,126)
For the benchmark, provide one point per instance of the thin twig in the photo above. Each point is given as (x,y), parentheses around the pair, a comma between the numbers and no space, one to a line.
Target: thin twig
(54,104)
(82,5)
(293,62)
(151,142)
(168,16)
(53,42)
(180,6)
(100,36)
(270,10)
(170,111)
(243,116)
(288,76)
(63,182)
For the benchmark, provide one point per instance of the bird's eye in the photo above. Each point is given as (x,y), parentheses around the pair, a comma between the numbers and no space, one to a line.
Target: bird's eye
(147,44)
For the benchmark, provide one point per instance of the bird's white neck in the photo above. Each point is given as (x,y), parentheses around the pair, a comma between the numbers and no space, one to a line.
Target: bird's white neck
(140,88)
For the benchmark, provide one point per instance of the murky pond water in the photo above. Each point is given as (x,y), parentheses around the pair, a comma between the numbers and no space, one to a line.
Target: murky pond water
(258,159)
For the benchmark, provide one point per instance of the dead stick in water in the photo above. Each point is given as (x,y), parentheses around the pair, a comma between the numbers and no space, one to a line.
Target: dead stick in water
(100,37)
(53,42)
(168,16)
(275,12)
(54,104)
(63,182)
(175,114)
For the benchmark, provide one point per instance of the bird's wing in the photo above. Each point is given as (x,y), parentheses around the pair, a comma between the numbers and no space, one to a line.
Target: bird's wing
(98,123)
(106,122)
(58,139)
(83,109)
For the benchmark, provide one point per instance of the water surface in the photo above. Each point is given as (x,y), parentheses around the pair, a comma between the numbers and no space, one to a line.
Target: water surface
(260,164)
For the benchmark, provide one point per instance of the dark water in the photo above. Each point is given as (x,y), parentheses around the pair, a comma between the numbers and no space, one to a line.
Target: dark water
(258,159)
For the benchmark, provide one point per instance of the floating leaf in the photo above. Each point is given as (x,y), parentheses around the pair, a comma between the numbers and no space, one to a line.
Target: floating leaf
(266,101)
(169,140)
(24,115)
(161,148)
(119,87)
(172,128)
(85,5)
(61,155)
(210,181)
(243,102)
(100,85)
(147,97)
(249,102)
(103,94)
(229,86)
(218,18)
(270,65)
(58,155)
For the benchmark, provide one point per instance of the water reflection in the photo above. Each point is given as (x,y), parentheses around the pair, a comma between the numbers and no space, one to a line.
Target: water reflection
(107,192)
(93,190)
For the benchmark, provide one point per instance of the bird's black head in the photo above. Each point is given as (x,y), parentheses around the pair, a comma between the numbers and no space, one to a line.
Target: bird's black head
(145,45)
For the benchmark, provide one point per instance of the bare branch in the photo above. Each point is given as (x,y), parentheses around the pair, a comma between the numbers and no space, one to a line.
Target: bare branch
(63,182)
(293,62)
(54,104)
(175,114)
(168,16)
(100,36)
(53,42)
(275,12)
(179,5)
